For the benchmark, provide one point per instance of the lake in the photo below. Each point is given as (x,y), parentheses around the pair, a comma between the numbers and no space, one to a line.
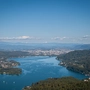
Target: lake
(35,68)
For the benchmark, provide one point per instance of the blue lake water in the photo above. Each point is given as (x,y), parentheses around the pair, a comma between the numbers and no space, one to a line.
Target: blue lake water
(34,69)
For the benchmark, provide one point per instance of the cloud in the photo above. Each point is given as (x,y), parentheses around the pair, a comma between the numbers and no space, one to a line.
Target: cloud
(20,38)
(86,37)
(24,37)
(83,39)
(59,38)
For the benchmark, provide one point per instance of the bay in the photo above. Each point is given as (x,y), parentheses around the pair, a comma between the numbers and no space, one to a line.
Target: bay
(35,68)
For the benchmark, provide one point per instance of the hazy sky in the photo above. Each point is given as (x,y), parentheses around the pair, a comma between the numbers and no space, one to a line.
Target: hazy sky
(62,21)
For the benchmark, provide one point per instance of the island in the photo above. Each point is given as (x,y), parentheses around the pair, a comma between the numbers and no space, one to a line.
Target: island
(78,61)
(64,83)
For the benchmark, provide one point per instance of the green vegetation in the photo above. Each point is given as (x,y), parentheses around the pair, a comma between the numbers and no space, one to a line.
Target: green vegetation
(8,66)
(10,71)
(10,54)
(65,83)
(78,61)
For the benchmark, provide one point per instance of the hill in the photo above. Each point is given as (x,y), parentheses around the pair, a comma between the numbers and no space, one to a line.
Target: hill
(64,83)
(78,61)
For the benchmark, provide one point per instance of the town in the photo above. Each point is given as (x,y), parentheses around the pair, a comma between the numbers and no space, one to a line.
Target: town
(51,52)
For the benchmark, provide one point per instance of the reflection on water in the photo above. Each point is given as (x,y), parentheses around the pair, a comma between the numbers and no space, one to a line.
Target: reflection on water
(35,68)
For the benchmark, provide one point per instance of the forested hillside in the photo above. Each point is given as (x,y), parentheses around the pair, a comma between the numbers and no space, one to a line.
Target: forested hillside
(78,61)
(65,83)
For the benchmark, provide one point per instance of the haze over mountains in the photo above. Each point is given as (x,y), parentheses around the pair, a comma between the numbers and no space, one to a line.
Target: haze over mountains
(43,46)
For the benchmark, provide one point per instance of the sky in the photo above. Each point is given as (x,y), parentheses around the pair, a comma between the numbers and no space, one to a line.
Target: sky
(45,21)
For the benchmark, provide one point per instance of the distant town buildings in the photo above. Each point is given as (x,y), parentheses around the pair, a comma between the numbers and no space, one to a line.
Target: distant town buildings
(48,52)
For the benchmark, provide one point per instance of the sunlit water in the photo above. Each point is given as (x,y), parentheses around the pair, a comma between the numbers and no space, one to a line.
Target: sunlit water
(34,69)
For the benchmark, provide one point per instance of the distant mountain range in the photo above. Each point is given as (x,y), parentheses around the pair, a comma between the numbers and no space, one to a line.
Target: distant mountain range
(82,46)
(44,46)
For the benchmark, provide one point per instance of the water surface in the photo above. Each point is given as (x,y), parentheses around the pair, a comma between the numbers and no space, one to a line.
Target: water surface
(34,69)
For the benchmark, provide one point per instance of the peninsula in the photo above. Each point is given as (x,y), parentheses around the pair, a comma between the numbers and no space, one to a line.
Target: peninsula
(9,66)
(78,61)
